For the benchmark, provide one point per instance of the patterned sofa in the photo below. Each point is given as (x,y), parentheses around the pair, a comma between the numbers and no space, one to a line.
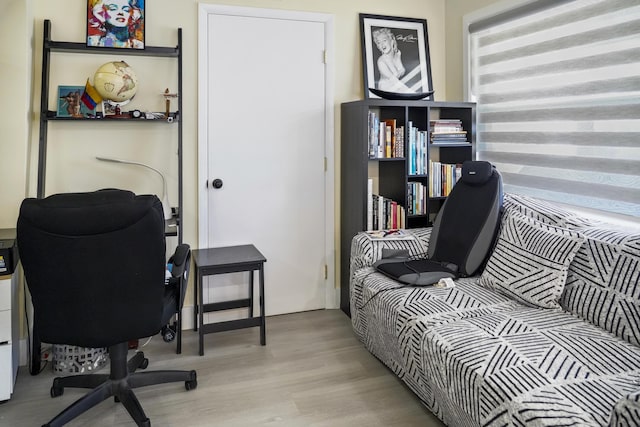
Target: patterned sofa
(548,335)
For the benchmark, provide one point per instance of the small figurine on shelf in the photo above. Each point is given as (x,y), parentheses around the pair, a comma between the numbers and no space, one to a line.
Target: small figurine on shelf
(167,102)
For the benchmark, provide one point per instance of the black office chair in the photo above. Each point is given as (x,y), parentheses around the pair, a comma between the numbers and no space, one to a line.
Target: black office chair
(95,266)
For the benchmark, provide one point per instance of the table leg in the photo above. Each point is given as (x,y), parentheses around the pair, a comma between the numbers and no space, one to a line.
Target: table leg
(263,335)
(251,273)
(200,316)
(195,300)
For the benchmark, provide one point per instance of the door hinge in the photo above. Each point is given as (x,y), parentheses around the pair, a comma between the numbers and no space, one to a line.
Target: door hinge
(325,164)
(324,56)
(326,272)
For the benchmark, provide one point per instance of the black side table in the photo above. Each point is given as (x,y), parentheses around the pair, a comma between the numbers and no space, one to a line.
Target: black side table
(229,259)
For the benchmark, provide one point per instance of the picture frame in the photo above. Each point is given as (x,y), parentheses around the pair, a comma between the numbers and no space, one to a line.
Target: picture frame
(395,57)
(116,23)
(70,103)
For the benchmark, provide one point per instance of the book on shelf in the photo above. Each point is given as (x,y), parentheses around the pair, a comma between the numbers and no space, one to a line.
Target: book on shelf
(417,198)
(384,213)
(417,151)
(447,131)
(398,148)
(442,178)
(445,125)
(373,129)
(390,137)
(390,234)
(386,138)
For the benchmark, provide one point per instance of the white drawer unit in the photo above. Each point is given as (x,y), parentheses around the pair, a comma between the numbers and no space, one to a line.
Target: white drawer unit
(9,342)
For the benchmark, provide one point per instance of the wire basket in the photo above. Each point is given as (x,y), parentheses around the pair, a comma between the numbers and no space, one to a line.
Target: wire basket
(69,359)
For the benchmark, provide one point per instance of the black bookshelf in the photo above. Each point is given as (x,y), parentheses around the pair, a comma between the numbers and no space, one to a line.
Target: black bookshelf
(393,173)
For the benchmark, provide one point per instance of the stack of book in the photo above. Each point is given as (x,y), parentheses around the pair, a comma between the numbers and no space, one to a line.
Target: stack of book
(442,178)
(386,139)
(447,132)
(383,213)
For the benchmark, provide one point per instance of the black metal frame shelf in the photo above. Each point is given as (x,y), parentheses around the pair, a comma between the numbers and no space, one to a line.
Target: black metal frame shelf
(50,46)
(158,51)
(51,116)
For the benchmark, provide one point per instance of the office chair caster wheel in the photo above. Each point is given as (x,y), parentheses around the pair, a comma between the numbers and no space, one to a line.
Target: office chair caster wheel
(168,333)
(144,364)
(192,383)
(56,390)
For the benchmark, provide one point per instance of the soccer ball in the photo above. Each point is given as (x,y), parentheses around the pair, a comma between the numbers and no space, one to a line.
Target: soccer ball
(115,81)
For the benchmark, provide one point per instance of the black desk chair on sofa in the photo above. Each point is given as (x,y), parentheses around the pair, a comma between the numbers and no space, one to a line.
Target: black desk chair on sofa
(463,232)
(95,266)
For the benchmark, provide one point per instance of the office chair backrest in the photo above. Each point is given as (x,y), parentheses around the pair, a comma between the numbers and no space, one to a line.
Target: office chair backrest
(95,266)
(465,227)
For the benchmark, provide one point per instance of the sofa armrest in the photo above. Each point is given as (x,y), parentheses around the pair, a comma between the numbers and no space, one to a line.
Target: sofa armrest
(365,251)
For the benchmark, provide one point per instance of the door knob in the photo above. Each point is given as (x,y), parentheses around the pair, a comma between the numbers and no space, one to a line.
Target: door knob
(217,183)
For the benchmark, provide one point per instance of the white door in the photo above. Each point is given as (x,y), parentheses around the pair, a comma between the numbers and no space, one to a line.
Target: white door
(266,138)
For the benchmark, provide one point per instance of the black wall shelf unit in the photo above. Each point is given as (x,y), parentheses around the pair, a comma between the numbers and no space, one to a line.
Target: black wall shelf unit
(393,174)
(49,47)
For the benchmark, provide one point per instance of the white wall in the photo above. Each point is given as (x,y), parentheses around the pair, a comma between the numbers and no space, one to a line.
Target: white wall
(15,115)
(71,166)
(454,11)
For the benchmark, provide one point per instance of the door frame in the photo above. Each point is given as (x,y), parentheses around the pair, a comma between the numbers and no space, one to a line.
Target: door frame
(332,295)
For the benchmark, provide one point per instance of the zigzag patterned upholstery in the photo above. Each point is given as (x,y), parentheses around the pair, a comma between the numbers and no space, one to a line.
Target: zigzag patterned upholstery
(627,411)
(477,357)
(603,284)
(530,260)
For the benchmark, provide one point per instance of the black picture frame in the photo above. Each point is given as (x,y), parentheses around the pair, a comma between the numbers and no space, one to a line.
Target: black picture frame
(116,23)
(406,74)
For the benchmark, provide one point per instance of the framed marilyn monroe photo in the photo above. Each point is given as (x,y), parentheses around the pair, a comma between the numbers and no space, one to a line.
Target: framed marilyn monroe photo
(115,23)
(395,57)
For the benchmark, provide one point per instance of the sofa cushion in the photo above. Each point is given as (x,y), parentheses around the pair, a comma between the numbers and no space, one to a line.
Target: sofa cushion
(528,366)
(603,281)
(530,260)
(537,209)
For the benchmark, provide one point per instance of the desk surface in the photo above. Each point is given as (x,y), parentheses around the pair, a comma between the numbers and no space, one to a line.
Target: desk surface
(227,256)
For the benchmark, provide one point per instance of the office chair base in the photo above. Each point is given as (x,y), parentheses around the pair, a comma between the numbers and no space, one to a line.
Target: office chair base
(119,384)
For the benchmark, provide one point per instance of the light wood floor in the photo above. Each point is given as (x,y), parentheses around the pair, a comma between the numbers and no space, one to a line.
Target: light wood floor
(312,372)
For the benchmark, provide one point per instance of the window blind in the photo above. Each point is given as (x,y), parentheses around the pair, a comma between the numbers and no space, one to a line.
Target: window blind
(558,101)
